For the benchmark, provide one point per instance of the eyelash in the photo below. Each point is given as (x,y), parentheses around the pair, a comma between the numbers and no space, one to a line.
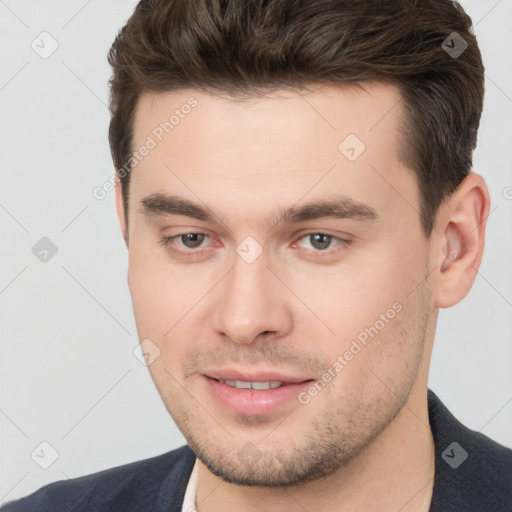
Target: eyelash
(166,242)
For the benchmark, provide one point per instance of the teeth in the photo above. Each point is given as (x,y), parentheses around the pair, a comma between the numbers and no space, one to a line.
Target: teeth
(241,384)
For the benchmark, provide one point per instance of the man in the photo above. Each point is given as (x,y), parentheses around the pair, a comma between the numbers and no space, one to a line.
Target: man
(295,191)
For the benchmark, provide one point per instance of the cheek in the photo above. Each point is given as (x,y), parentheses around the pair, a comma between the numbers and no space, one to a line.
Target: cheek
(167,300)
(369,310)
(156,296)
(353,298)
(160,309)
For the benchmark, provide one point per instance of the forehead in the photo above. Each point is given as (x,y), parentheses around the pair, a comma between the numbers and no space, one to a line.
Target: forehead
(283,145)
(328,111)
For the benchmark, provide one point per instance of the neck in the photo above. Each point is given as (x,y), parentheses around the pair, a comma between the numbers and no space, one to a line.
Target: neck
(394,472)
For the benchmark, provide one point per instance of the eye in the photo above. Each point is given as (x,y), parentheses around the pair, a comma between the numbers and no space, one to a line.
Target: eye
(190,241)
(186,244)
(320,242)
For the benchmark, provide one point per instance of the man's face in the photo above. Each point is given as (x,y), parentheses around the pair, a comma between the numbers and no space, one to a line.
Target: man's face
(341,323)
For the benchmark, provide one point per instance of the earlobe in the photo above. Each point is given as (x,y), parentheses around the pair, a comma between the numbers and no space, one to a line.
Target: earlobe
(461,244)
(120,210)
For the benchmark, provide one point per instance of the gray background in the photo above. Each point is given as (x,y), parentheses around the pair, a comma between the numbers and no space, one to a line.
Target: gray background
(68,373)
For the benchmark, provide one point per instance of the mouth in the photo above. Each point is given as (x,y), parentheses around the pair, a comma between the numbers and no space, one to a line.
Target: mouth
(258,385)
(256,394)
(230,376)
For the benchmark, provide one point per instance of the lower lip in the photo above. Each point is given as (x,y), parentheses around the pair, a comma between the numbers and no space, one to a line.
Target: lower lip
(251,401)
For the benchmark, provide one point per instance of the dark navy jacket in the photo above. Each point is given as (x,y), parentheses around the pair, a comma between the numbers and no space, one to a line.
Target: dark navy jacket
(473,474)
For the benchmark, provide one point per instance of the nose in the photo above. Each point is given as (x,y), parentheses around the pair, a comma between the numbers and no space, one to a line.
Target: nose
(253,303)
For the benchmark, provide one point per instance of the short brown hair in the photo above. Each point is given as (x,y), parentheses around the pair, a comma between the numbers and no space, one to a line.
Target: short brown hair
(241,48)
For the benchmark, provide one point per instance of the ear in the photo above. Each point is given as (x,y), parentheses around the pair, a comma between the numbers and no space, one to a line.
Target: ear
(460,245)
(120,208)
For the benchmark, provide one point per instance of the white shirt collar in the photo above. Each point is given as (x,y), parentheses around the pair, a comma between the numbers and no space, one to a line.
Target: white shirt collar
(189,502)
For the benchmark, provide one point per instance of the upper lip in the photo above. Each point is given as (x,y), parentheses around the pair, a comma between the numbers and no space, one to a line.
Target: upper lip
(252,376)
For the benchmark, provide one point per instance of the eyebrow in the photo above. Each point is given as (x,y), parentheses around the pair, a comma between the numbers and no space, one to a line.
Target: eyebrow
(337,207)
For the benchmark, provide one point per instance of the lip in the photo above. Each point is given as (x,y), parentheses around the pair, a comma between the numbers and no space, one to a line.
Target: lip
(253,402)
(261,376)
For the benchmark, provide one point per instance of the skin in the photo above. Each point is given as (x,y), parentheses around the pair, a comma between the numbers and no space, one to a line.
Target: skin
(363,442)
